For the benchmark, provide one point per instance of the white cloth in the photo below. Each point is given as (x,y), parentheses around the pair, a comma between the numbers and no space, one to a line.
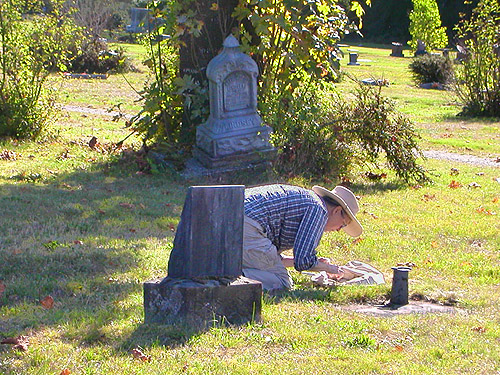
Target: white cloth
(368,275)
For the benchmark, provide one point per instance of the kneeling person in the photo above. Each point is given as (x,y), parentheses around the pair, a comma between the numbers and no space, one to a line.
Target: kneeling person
(282,217)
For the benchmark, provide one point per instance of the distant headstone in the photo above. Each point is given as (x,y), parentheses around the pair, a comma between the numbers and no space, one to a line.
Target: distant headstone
(139,18)
(461,53)
(397,50)
(353,58)
(233,135)
(421,50)
(204,283)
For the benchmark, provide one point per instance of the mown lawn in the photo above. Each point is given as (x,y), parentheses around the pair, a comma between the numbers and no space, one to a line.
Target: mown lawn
(84,226)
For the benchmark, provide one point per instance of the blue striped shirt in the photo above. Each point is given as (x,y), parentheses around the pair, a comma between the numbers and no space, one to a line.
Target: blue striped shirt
(291,217)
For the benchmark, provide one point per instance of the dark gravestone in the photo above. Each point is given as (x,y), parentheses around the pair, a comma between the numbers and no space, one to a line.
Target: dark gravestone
(397,50)
(353,58)
(204,283)
(421,49)
(208,241)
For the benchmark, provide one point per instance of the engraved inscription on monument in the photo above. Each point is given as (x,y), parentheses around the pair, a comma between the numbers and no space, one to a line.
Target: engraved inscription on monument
(236,89)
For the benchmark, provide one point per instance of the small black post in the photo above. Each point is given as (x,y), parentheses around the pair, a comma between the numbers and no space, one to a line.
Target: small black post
(399,292)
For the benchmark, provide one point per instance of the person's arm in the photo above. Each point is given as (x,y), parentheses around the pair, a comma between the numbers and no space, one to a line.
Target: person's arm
(323,264)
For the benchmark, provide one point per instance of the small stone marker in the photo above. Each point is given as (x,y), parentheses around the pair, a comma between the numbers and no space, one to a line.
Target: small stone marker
(233,135)
(353,58)
(397,50)
(399,291)
(205,283)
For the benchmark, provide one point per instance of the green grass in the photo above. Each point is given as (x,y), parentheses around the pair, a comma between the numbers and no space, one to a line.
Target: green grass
(81,225)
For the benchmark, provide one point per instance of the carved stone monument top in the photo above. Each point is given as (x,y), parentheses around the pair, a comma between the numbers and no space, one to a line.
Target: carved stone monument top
(233,134)
(233,86)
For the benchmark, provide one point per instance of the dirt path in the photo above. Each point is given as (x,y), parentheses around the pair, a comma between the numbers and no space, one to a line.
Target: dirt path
(462,158)
(94,111)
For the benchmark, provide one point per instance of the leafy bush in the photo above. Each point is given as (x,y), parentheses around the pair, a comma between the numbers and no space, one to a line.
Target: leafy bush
(432,68)
(326,135)
(92,55)
(26,50)
(425,25)
(478,77)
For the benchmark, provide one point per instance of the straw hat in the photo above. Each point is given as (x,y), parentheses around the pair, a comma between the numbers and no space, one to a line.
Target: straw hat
(349,204)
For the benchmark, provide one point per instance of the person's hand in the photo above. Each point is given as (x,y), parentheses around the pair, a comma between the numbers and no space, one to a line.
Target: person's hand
(325,260)
(348,273)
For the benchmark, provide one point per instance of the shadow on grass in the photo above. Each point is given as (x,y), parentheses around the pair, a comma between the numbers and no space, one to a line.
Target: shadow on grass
(83,239)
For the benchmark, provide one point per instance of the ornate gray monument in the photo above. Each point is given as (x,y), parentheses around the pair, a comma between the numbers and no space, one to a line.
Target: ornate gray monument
(233,135)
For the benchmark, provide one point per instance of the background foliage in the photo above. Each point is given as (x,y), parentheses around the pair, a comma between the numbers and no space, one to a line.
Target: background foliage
(478,77)
(425,25)
(31,43)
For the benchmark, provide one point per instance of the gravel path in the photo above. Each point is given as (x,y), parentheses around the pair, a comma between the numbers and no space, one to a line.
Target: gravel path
(463,158)
(93,111)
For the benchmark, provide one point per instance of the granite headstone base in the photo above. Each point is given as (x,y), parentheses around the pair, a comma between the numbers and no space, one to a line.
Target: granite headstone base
(236,160)
(201,303)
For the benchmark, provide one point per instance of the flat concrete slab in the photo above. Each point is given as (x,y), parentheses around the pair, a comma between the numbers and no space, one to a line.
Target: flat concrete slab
(411,308)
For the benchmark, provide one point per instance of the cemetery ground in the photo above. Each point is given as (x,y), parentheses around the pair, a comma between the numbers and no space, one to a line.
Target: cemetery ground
(82,229)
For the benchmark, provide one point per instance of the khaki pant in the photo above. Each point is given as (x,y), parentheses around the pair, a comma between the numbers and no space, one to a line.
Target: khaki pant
(261,260)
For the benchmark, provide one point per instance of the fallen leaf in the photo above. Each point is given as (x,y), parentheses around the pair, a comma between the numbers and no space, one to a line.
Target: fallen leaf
(78,242)
(2,287)
(65,372)
(138,354)
(454,172)
(8,155)
(357,240)
(132,230)
(483,210)
(434,244)
(399,348)
(19,343)
(93,143)
(428,197)
(375,176)
(479,329)
(495,200)
(416,187)
(454,184)
(463,264)
(126,205)
(47,302)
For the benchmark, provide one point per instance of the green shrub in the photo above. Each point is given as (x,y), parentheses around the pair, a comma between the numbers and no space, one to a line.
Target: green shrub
(432,68)
(26,50)
(326,135)
(95,56)
(478,76)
